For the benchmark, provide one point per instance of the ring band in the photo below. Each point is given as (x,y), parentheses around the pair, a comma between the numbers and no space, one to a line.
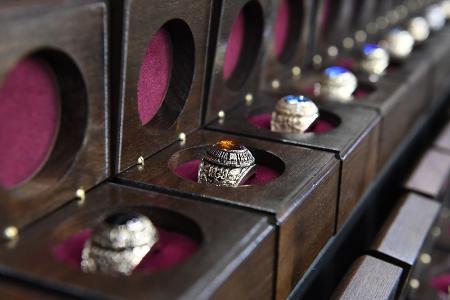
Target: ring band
(226,163)
(118,244)
(293,114)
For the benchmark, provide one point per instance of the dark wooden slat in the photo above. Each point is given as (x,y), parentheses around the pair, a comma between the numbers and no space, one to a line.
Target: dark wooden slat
(404,233)
(369,278)
(431,173)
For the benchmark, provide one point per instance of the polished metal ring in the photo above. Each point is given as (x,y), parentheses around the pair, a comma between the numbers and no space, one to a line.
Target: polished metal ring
(419,29)
(435,17)
(338,83)
(118,244)
(399,43)
(374,59)
(293,114)
(226,163)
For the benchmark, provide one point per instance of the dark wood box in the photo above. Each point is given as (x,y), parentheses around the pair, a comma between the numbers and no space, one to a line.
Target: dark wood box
(235,257)
(187,25)
(301,201)
(69,36)
(431,175)
(370,278)
(354,141)
(404,233)
(225,92)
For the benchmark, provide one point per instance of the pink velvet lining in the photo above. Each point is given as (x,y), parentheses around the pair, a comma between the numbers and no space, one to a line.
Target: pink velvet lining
(264,174)
(234,46)
(171,249)
(154,76)
(29,120)
(262,121)
(281,27)
(441,282)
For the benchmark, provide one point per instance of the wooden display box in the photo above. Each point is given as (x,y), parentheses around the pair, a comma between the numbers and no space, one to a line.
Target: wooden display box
(431,175)
(354,141)
(235,256)
(235,67)
(404,233)
(399,99)
(148,123)
(68,38)
(370,278)
(301,201)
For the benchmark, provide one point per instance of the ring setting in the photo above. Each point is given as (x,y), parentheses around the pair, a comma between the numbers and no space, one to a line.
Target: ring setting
(293,114)
(118,244)
(338,83)
(374,59)
(226,163)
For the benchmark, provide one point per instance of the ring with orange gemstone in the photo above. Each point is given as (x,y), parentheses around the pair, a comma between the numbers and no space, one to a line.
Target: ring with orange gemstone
(226,163)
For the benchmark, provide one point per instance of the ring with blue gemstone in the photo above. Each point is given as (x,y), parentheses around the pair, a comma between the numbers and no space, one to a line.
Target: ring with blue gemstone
(399,43)
(338,83)
(374,59)
(294,113)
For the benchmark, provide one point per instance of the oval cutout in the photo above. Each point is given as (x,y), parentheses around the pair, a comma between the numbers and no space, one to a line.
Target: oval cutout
(45,119)
(165,75)
(288,29)
(243,45)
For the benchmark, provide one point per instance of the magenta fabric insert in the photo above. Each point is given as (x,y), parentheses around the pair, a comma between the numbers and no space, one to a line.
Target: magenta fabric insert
(281,27)
(154,76)
(171,249)
(234,46)
(262,121)
(29,119)
(264,174)
(441,282)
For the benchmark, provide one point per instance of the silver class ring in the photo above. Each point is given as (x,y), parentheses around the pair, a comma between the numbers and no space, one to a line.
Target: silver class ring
(293,114)
(226,163)
(118,244)
(338,83)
